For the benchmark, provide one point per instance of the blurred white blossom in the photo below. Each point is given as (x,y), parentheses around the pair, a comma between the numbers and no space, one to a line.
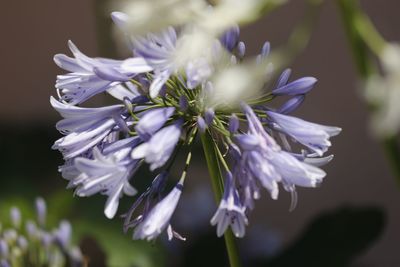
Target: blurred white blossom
(383,93)
(236,83)
(144,16)
(200,24)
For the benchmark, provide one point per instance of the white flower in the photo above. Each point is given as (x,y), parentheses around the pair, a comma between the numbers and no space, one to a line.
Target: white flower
(383,92)
(144,16)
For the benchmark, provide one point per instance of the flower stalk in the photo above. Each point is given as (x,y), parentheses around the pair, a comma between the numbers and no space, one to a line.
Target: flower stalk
(216,180)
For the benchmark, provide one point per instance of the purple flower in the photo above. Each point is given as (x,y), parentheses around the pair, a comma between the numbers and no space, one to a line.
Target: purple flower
(209,116)
(107,173)
(230,211)
(174,88)
(4,250)
(264,159)
(155,222)
(63,234)
(291,105)
(314,136)
(15,215)
(159,148)
(4,263)
(230,38)
(84,127)
(157,50)
(297,87)
(152,121)
(201,124)
(41,210)
(233,124)
(91,76)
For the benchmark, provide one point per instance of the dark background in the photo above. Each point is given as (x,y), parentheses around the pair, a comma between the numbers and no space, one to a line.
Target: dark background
(33,31)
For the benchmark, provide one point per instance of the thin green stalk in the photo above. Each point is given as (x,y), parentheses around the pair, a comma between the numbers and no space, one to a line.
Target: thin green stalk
(216,181)
(362,35)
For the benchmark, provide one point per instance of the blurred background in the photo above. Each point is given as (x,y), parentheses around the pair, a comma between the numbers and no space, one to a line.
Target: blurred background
(352,220)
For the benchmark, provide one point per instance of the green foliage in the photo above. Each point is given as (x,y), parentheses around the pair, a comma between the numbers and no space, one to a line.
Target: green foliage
(332,239)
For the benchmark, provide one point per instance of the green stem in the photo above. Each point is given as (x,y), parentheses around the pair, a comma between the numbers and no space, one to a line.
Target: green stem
(362,35)
(216,181)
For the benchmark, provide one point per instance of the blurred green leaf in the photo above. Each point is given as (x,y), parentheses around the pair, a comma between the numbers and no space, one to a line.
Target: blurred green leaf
(333,239)
(119,248)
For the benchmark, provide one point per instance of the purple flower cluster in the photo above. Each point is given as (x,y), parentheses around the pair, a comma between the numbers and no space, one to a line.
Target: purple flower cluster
(161,107)
(25,238)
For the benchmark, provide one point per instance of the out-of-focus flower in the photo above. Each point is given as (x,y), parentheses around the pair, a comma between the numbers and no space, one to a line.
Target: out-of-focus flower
(143,16)
(54,246)
(91,76)
(383,93)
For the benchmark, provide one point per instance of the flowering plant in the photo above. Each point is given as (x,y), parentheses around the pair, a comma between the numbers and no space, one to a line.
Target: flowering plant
(168,93)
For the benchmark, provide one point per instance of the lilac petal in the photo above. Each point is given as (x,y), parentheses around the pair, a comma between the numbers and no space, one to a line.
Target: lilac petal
(312,135)
(107,174)
(318,162)
(284,78)
(135,65)
(247,142)
(153,120)
(298,87)
(233,123)
(158,82)
(159,216)
(120,92)
(112,202)
(83,60)
(209,116)
(110,74)
(291,105)
(230,38)
(159,148)
(130,142)
(296,172)
(68,63)
(201,124)
(120,19)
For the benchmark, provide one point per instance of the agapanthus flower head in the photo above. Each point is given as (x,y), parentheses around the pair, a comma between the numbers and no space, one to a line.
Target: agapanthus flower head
(216,93)
(18,244)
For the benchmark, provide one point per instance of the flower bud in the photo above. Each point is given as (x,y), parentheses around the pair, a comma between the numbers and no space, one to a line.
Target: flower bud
(4,250)
(209,116)
(201,124)
(298,87)
(15,215)
(183,103)
(291,105)
(41,210)
(63,234)
(233,123)
(241,49)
